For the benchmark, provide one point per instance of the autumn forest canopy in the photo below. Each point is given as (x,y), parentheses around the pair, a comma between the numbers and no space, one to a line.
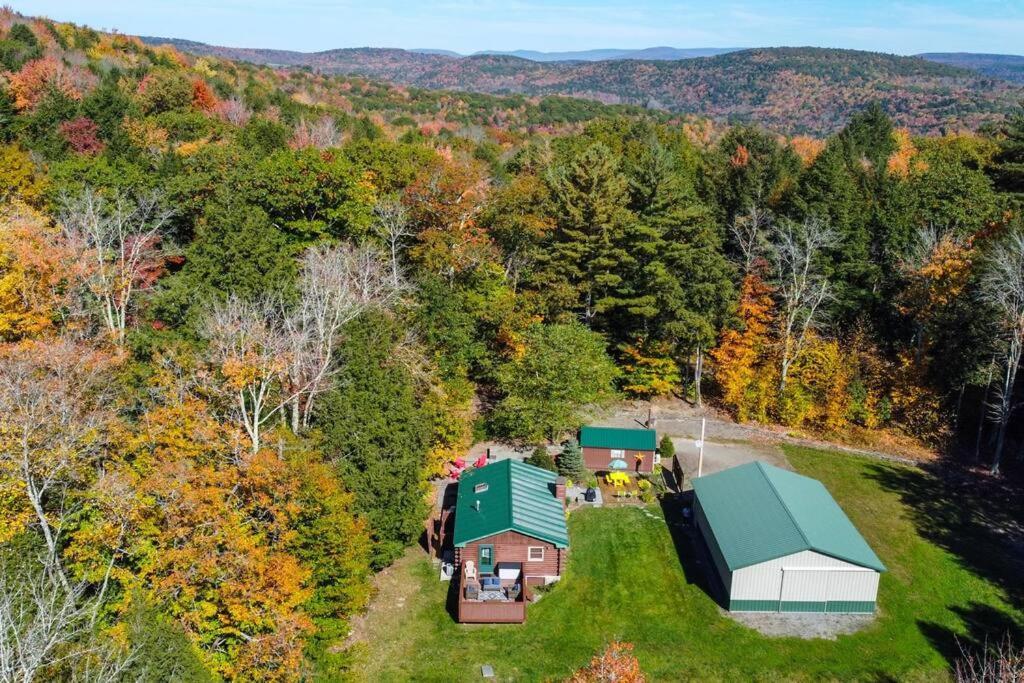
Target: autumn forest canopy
(247,314)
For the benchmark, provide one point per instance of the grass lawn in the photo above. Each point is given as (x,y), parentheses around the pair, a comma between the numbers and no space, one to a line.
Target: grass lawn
(626,581)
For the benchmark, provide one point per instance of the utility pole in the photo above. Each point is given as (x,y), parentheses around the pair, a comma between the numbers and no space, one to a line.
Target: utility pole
(700,448)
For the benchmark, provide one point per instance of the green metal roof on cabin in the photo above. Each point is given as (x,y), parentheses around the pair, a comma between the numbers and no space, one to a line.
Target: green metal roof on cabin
(518,497)
(759,512)
(618,438)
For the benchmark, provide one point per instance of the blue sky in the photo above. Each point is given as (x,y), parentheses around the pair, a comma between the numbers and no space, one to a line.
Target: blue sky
(467,25)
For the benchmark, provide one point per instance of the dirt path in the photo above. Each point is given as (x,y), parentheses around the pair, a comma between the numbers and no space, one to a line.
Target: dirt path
(392,590)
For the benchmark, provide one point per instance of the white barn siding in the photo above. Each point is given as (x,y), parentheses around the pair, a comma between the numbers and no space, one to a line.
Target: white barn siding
(804,581)
(764,580)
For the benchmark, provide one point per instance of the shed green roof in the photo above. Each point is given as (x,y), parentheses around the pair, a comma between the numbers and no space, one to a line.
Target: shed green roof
(759,512)
(518,497)
(618,438)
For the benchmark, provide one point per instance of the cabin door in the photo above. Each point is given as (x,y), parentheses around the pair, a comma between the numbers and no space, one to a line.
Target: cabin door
(485,558)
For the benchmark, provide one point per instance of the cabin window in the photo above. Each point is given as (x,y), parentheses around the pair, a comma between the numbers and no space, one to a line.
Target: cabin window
(535,553)
(618,453)
(479,488)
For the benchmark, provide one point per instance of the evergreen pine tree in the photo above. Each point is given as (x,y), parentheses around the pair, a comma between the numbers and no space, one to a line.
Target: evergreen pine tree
(1008,170)
(570,461)
(589,252)
(376,428)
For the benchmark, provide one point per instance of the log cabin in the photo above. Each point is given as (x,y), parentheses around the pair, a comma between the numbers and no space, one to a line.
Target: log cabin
(510,534)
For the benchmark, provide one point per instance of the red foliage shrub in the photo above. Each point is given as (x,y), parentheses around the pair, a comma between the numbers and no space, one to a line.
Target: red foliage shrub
(82,135)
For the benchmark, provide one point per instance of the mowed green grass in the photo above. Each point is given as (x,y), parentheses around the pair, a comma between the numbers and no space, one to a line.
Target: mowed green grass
(626,581)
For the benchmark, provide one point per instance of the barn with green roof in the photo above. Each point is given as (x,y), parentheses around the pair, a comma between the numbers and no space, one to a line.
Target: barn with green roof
(779,542)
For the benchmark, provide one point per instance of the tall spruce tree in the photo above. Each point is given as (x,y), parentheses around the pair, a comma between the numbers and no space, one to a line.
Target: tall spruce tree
(376,429)
(843,188)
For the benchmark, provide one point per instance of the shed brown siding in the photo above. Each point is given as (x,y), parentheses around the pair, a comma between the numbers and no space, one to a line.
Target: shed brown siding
(511,546)
(598,459)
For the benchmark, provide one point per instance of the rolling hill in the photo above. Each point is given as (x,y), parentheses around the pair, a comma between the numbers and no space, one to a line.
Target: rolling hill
(792,90)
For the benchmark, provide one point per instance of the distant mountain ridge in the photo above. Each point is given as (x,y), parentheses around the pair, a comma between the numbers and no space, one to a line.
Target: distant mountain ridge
(1007,67)
(652,53)
(792,90)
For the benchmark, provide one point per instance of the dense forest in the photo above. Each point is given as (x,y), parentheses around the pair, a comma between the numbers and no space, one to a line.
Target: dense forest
(247,314)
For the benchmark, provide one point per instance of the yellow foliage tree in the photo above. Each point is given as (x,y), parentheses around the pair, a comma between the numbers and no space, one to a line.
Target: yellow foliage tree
(648,369)
(19,178)
(32,267)
(205,531)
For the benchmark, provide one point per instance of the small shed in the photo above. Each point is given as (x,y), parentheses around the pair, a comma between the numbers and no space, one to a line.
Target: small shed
(606,448)
(780,543)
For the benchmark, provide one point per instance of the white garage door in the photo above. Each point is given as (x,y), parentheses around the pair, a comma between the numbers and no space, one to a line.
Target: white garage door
(814,589)
(805,590)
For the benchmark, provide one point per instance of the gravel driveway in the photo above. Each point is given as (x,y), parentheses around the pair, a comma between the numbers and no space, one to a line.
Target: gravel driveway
(726,444)
(806,626)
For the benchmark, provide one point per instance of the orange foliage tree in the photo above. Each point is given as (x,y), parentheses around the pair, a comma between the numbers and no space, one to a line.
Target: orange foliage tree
(616,664)
(203,98)
(741,351)
(445,202)
(34,267)
(38,78)
(204,531)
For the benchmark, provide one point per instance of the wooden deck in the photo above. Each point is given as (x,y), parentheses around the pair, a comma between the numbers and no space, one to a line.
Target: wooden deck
(493,611)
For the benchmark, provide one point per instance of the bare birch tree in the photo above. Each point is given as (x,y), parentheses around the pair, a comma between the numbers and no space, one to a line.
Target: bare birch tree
(250,346)
(394,227)
(47,626)
(751,234)
(337,284)
(53,415)
(274,358)
(802,287)
(118,239)
(320,134)
(1002,287)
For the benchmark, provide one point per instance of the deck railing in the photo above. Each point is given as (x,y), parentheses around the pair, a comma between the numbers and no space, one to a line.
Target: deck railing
(492,611)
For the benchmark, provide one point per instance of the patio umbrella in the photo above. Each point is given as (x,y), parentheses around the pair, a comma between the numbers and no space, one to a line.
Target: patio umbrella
(618,464)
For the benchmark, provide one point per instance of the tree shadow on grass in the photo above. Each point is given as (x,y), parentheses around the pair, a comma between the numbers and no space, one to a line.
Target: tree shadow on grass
(451,602)
(984,627)
(694,557)
(977,518)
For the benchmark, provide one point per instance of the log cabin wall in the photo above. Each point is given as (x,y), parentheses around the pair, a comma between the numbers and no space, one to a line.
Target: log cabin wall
(511,546)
